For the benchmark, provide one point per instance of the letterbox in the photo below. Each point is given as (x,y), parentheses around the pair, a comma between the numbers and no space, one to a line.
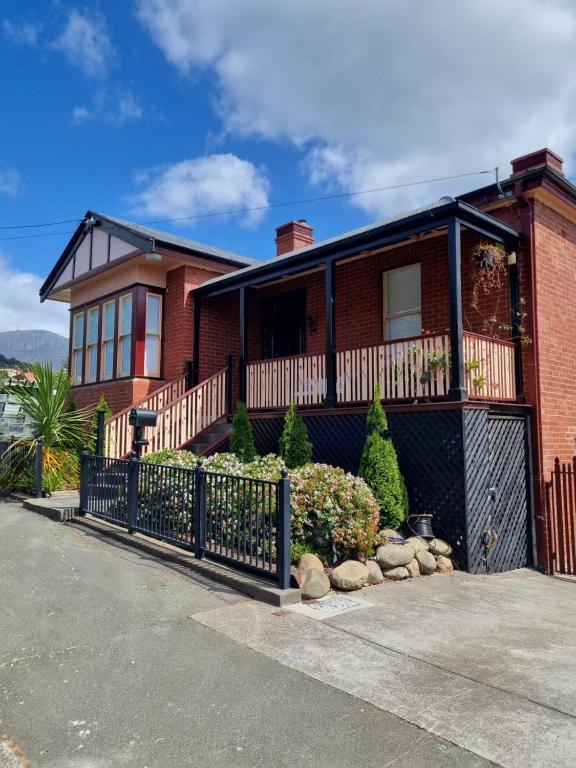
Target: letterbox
(140,417)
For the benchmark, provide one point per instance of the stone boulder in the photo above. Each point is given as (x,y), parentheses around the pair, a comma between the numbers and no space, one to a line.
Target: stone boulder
(349,576)
(444,564)
(426,562)
(374,572)
(390,534)
(393,555)
(418,543)
(413,569)
(439,547)
(396,574)
(308,561)
(314,584)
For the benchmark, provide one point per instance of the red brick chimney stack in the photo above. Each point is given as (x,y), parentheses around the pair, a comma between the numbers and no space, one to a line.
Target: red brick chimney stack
(537,160)
(292,236)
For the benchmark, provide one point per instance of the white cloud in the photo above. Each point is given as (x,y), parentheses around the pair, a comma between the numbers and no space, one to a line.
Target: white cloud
(388,90)
(86,44)
(23,34)
(116,108)
(10,181)
(202,185)
(21,308)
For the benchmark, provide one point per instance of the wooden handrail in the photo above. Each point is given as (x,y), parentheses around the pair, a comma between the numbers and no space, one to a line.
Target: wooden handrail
(140,403)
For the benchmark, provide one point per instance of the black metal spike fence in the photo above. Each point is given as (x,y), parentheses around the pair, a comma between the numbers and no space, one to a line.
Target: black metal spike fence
(21,467)
(239,521)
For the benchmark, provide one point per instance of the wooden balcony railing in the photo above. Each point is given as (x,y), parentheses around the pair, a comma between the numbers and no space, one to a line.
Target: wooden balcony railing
(407,369)
(118,433)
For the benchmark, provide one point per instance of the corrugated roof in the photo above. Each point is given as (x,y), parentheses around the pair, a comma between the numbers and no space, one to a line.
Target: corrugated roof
(181,242)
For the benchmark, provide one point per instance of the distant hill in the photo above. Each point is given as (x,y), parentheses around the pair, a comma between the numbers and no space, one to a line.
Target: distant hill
(11,362)
(32,346)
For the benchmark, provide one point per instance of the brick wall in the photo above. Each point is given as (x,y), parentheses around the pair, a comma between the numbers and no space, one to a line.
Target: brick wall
(118,394)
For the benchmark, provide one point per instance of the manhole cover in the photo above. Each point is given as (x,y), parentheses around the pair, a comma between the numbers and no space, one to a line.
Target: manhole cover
(331,605)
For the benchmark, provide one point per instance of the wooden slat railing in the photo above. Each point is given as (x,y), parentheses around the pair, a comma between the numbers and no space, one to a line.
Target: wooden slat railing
(405,369)
(490,372)
(118,433)
(181,420)
(278,382)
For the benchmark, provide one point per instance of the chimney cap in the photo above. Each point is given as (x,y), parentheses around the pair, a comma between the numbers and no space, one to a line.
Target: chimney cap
(542,157)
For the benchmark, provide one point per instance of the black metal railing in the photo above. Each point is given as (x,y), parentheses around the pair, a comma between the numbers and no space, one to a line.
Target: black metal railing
(21,467)
(240,521)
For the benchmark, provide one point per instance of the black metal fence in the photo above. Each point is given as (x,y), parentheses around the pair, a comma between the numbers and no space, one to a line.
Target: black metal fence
(21,468)
(240,521)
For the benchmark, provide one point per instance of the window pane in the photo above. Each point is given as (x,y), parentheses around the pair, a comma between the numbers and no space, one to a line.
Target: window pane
(406,325)
(109,311)
(78,330)
(125,352)
(92,362)
(125,314)
(93,326)
(108,359)
(403,290)
(152,354)
(78,362)
(152,314)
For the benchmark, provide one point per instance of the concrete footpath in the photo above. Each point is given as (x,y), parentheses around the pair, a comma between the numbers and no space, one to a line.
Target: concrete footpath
(107,660)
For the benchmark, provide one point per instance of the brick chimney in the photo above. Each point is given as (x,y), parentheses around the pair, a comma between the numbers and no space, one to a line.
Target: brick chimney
(542,157)
(292,236)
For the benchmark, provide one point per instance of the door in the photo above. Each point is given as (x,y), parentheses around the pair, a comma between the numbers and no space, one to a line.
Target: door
(284,324)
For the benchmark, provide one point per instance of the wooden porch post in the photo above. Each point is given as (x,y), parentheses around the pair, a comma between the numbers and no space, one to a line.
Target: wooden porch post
(457,389)
(330,398)
(243,344)
(515,309)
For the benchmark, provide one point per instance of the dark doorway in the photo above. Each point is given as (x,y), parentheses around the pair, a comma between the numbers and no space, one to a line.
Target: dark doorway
(284,324)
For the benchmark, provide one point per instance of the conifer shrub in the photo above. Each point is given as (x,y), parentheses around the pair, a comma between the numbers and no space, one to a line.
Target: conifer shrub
(379,468)
(93,435)
(241,438)
(295,446)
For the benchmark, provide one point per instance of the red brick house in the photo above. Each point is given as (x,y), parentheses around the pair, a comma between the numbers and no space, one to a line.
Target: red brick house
(461,310)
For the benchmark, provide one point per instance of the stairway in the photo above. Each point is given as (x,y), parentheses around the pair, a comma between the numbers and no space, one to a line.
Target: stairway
(210,439)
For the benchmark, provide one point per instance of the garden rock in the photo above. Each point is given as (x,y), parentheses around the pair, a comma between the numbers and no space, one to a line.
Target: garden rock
(396,574)
(388,533)
(314,584)
(439,547)
(413,569)
(349,576)
(426,562)
(418,544)
(309,561)
(444,564)
(393,555)
(374,572)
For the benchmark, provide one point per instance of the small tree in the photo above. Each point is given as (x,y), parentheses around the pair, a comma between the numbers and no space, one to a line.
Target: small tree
(295,446)
(379,468)
(241,438)
(93,436)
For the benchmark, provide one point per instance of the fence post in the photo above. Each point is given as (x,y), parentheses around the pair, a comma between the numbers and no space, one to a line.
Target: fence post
(200,511)
(283,535)
(229,361)
(133,472)
(99,448)
(84,476)
(38,468)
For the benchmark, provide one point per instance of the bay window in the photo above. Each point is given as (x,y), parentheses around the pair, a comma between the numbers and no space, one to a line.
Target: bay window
(124,335)
(153,334)
(92,344)
(402,303)
(77,362)
(108,332)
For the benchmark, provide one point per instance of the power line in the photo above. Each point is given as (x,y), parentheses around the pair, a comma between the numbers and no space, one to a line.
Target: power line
(241,210)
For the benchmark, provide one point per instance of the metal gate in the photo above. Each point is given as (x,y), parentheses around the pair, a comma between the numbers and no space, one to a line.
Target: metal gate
(561,518)
(506,537)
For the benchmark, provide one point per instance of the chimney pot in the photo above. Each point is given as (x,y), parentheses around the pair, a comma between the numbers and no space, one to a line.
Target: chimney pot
(293,235)
(542,157)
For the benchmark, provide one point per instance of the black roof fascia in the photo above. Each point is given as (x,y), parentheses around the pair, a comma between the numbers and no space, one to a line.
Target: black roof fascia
(142,242)
(388,234)
(531,174)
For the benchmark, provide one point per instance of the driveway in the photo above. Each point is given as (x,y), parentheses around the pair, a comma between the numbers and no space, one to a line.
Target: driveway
(108,659)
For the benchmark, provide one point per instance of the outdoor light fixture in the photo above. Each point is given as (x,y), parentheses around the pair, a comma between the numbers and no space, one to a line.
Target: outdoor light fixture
(153,256)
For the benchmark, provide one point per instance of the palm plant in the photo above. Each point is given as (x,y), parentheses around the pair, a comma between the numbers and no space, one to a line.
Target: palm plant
(61,429)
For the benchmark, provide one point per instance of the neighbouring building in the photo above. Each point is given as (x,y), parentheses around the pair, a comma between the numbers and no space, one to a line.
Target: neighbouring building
(462,310)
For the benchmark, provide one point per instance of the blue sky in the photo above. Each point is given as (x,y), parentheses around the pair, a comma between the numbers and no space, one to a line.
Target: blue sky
(155,109)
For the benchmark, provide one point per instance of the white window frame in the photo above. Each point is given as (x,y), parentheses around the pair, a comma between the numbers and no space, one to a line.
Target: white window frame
(156,334)
(107,341)
(77,349)
(91,376)
(119,372)
(412,311)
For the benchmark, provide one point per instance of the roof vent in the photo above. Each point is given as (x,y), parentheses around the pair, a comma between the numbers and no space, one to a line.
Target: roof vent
(446,199)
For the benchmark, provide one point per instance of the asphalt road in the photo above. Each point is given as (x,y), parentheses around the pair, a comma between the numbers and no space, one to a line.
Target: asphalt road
(102,665)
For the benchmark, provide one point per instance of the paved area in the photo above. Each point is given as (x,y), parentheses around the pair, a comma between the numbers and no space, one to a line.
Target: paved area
(107,660)
(487,662)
